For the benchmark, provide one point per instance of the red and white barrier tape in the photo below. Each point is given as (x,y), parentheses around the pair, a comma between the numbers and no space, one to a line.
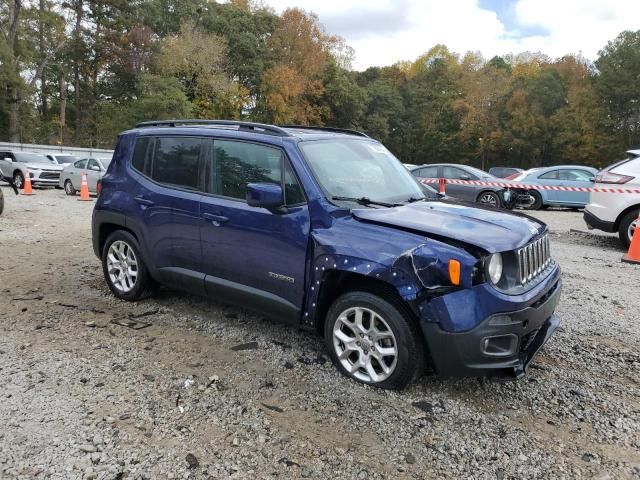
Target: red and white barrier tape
(525,186)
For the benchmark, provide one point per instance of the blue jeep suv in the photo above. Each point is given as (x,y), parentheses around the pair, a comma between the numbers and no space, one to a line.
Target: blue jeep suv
(326,230)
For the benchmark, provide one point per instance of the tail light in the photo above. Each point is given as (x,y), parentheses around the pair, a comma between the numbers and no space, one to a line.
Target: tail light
(513,176)
(609,177)
(99,187)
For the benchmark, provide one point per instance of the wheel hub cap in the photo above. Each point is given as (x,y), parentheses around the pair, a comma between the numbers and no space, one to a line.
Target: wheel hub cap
(365,344)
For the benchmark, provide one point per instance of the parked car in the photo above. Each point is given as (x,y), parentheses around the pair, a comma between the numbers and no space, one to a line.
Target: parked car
(616,212)
(487,195)
(559,176)
(71,176)
(42,171)
(328,231)
(504,172)
(62,158)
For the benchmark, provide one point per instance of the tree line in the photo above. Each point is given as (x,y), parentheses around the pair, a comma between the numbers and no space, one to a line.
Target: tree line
(77,72)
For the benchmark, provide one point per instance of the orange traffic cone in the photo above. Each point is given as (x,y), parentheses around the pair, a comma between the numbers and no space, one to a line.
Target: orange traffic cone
(633,256)
(442,184)
(84,189)
(27,190)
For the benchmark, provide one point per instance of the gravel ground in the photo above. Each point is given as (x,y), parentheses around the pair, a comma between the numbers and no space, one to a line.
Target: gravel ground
(82,397)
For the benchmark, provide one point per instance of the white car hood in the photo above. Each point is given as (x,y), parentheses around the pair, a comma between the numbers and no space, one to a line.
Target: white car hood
(44,166)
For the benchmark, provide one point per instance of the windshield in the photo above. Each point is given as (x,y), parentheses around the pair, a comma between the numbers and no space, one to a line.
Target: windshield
(64,159)
(23,157)
(358,168)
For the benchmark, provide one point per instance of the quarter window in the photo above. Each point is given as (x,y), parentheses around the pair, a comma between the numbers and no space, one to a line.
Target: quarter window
(240,163)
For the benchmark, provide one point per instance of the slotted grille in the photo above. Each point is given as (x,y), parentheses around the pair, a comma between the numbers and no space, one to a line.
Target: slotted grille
(533,259)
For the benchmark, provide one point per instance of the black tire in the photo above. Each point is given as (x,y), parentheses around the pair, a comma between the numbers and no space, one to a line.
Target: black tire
(144,286)
(411,353)
(537,201)
(623,228)
(68,187)
(18,180)
(1,202)
(489,198)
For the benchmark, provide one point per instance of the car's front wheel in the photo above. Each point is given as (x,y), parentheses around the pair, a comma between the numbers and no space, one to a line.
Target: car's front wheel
(18,180)
(490,199)
(68,188)
(374,341)
(124,268)
(627,227)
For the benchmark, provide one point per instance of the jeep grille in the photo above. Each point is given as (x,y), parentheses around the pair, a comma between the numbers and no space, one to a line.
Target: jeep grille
(533,259)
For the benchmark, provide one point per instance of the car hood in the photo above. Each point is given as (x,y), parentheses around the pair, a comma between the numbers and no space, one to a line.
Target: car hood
(487,228)
(44,166)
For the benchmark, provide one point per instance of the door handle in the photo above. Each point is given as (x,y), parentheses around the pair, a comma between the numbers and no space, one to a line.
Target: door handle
(144,201)
(217,220)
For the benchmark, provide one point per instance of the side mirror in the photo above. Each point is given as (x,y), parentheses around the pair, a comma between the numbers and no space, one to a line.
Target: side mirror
(95,168)
(465,177)
(264,195)
(7,159)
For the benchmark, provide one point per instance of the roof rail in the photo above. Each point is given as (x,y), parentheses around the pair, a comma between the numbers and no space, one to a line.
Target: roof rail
(250,126)
(327,129)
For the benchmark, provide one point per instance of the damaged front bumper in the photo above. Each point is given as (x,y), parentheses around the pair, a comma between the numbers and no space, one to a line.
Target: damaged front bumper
(504,342)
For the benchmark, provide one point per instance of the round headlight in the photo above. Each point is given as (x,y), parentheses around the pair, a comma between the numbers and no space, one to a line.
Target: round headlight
(494,268)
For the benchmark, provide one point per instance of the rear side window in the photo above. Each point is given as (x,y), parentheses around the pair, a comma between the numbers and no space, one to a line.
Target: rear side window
(80,164)
(176,161)
(240,163)
(552,175)
(171,161)
(427,172)
(454,173)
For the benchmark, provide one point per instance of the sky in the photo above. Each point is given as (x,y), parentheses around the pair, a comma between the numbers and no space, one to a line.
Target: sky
(383,32)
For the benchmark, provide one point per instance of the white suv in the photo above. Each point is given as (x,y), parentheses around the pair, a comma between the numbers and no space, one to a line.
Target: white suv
(616,212)
(42,171)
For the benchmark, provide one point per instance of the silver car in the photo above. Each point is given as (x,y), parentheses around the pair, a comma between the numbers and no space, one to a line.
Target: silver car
(42,171)
(71,177)
(62,158)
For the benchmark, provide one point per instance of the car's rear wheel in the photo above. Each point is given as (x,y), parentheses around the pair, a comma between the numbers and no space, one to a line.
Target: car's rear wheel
(68,187)
(374,341)
(124,268)
(18,180)
(1,202)
(627,227)
(489,198)
(537,201)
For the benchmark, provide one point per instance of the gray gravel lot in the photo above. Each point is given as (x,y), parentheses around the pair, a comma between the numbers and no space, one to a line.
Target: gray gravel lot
(82,397)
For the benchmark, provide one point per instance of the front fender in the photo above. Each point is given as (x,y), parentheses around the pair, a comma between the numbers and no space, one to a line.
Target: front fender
(413,265)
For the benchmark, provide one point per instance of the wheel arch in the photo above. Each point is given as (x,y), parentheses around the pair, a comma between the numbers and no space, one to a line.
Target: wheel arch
(624,213)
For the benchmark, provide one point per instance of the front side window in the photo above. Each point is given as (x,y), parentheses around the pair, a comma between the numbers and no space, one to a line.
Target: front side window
(92,164)
(454,173)
(359,168)
(240,163)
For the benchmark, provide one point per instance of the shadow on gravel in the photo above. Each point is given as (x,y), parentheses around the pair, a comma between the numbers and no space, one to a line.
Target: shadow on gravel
(583,238)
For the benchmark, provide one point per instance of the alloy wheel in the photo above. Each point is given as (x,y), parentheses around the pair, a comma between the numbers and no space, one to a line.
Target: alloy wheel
(489,199)
(365,344)
(122,266)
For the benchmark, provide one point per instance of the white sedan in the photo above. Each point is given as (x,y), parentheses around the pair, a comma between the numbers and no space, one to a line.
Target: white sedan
(71,177)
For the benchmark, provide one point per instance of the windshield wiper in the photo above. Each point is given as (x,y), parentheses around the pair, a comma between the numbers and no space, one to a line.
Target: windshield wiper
(414,199)
(365,201)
